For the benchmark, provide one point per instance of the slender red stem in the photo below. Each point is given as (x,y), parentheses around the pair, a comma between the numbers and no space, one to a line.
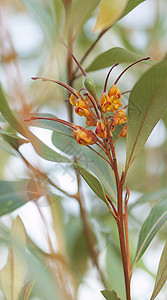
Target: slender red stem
(71,125)
(106,81)
(136,62)
(66,86)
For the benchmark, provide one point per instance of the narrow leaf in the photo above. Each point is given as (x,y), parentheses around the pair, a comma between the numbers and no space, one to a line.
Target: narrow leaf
(110,295)
(110,11)
(12,275)
(92,181)
(12,195)
(15,121)
(112,56)
(85,155)
(154,221)
(12,139)
(147,104)
(161,274)
(89,159)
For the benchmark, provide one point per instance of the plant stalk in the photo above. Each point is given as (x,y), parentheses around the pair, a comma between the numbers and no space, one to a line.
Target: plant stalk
(120,222)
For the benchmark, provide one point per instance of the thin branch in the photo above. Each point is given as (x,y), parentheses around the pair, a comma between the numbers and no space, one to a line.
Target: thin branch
(126,228)
(89,50)
(114,209)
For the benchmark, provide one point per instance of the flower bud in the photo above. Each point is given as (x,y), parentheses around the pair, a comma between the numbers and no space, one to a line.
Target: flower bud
(90,85)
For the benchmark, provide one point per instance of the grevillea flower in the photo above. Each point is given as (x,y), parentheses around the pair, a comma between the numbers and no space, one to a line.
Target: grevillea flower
(90,107)
(119,117)
(101,130)
(84,137)
(111,104)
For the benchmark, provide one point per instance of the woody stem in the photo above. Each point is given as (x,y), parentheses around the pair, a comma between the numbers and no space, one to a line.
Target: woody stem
(120,221)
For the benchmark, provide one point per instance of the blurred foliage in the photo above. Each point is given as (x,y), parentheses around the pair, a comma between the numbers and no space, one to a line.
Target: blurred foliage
(67,263)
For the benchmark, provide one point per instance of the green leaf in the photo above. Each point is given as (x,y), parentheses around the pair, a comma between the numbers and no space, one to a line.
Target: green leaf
(161,274)
(110,295)
(15,121)
(147,104)
(110,11)
(67,143)
(130,6)
(89,159)
(14,140)
(112,56)
(92,181)
(154,221)
(44,18)
(12,195)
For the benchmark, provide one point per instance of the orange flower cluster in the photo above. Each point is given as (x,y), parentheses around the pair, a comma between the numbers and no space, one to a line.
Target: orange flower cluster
(94,111)
(95,115)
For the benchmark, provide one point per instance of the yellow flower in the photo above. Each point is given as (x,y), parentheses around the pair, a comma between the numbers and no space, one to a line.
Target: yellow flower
(101,130)
(111,103)
(81,108)
(120,117)
(84,137)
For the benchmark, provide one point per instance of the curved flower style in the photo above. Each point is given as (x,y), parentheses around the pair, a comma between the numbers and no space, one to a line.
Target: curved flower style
(95,111)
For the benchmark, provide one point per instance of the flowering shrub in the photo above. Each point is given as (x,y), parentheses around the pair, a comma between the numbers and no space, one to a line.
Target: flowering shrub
(90,150)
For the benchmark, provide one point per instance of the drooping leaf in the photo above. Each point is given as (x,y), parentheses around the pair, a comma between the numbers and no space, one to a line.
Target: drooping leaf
(112,56)
(12,275)
(110,295)
(15,121)
(147,104)
(161,274)
(92,181)
(110,11)
(44,18)
(154,221)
